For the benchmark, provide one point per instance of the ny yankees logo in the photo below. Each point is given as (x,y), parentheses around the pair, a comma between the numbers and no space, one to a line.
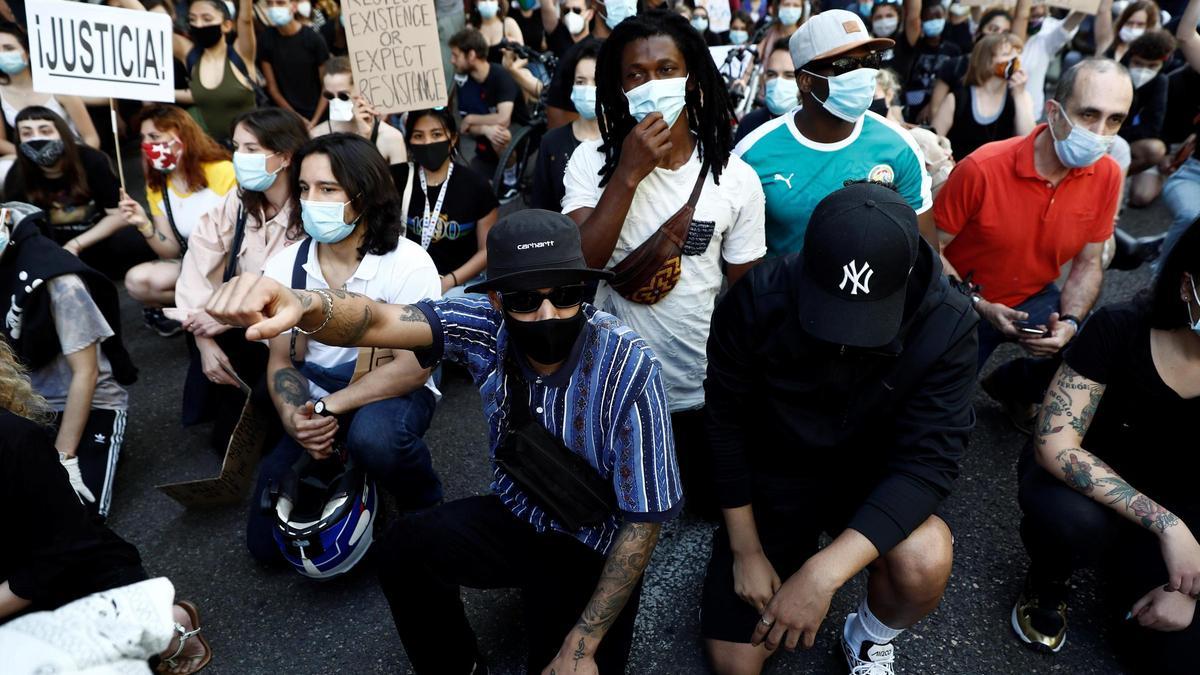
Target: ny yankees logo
(859,278)
(787,180)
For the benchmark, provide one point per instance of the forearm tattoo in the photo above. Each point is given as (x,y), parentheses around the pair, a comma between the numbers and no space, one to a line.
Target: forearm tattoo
(624,567)
(291,387)
(1086,473)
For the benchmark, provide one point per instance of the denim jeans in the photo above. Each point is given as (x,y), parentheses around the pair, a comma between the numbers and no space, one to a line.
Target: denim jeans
(1024,378)
(385,438)
(1182,196)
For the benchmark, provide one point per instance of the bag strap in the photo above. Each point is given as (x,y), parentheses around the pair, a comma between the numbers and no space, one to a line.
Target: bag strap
(299,276)
(698,187)
(166,194)
(239,235)
(408,190)
(518,406)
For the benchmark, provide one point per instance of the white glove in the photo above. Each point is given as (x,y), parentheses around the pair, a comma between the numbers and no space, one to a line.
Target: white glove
(76,478)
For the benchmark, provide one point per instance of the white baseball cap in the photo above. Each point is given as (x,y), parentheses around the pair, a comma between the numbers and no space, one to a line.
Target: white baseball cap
(829,34)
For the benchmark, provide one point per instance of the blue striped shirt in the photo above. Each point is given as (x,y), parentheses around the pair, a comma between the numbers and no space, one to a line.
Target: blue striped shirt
(606,403)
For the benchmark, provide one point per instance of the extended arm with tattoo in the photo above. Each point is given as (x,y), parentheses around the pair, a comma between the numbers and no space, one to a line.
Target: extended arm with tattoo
(622,571)
(1067,412)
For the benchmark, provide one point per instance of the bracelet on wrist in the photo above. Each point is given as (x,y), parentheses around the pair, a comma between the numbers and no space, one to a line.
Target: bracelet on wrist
(454,278)
(327,304)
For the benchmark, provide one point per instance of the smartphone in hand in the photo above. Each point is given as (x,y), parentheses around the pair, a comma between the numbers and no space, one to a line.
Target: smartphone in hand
(1032,329)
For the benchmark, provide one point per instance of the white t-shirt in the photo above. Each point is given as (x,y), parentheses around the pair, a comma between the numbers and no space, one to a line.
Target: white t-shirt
(404,276)
(728,224)
(1036,56)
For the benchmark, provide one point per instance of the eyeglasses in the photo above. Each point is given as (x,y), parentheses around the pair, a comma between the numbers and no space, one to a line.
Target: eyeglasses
(342,95)
(846,64)
(562,297)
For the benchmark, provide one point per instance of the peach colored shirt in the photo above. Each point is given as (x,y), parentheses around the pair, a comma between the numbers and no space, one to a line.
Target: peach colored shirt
(208,249)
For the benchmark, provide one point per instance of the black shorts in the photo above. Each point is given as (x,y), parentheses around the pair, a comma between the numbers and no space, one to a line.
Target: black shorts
(791,514)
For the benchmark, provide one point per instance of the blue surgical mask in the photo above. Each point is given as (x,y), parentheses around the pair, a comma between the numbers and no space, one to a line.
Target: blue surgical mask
(739,37)
(790,16)
(667,96)
(488,9)
(326,222)
(850,94)
(584,98)
(616,11)
(279,16)
(251,171)
(864,8)
(933,27)
(782,95)
(12,62)
(1082,147)
(700,23)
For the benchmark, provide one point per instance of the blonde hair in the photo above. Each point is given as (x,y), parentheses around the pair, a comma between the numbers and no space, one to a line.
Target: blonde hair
(16,393)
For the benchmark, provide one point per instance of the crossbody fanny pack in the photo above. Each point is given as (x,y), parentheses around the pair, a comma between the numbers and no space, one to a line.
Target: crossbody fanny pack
(559,481)
(652,270)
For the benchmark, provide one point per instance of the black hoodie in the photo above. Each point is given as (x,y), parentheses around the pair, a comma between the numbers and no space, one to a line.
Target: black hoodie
(897,418)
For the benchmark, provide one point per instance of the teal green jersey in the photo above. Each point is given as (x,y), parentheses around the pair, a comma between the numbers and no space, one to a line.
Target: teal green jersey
(797,173)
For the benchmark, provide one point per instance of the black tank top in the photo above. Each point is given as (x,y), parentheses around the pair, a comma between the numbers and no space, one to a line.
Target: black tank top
(968,133)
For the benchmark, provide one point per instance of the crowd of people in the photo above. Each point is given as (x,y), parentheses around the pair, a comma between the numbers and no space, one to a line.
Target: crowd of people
(762,254)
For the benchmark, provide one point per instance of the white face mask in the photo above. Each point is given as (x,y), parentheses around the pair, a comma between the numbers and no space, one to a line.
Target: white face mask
(341,111)
(304,9)
(574,23)
(885,27)
(1141,76)
(1128,34)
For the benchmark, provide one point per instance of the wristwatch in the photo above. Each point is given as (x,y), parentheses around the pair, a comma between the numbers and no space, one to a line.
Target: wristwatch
(321,409)
(1072,318)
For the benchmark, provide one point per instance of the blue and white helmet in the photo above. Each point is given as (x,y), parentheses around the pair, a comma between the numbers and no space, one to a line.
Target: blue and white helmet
(324,514)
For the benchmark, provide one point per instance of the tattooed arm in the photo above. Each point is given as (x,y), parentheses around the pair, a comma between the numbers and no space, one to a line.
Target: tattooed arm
(268,308)
(1067,411)
(622,571)
(289,393)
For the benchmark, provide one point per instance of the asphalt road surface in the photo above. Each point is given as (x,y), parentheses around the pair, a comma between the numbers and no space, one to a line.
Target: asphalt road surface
(262,621)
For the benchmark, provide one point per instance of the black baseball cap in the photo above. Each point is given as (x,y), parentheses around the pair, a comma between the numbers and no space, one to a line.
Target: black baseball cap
(861,244)
(533,249)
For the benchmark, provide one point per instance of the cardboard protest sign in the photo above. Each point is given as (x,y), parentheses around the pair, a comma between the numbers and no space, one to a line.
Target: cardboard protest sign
(237,469)
(91,50)
(1085,6)
(395,54)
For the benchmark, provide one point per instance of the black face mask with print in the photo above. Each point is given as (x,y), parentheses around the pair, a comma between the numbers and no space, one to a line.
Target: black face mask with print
(431,156)
(205,36)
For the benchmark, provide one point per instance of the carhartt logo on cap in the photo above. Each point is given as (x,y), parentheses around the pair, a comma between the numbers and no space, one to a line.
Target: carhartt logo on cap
(851,27)
(858,277)
(535,244)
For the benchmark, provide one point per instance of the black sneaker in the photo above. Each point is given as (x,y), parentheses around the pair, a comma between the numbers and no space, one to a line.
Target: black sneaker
(158,322)
(1022,415)
(1040,618)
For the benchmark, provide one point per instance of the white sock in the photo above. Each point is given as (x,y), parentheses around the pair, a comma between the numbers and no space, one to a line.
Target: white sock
(866,626)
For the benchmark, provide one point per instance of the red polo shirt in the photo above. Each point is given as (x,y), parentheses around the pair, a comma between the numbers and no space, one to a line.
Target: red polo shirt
(1014,229)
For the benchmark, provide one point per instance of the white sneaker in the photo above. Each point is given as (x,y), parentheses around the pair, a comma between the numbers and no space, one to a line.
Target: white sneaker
(871,659)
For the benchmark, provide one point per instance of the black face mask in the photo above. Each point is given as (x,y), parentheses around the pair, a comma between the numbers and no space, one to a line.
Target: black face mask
(548,341)
(431,156)
(205,36)
(879,106)
(43,151)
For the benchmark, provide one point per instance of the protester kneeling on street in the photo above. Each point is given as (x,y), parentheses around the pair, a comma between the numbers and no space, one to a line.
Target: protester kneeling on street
(839,400)
(351,212)
(559,380)
(1102,485)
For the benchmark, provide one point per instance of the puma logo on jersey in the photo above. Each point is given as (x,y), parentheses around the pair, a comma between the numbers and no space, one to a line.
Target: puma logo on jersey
(788,180)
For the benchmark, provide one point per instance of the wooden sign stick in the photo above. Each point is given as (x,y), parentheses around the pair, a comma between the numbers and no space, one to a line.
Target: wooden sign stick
(112,111)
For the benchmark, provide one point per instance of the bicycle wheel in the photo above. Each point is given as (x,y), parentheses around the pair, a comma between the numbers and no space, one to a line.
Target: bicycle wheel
(519,155)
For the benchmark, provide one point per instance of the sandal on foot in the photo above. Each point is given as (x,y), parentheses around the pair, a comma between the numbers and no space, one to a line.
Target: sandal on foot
(190,664)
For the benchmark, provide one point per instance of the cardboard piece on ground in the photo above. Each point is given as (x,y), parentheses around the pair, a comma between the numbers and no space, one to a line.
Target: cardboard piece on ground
(237,469)
(395,53)
(91,50)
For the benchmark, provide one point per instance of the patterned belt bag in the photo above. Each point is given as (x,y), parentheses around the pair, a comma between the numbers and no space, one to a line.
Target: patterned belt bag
(652,269)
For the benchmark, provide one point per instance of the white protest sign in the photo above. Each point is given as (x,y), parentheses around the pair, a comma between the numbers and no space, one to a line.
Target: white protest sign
(92,50)
(395,54)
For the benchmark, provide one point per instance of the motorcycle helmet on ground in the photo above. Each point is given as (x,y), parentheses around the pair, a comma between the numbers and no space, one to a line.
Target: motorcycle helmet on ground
(324,513)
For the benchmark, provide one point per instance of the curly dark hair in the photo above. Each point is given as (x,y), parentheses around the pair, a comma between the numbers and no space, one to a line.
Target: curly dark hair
(1166,309)
(709,111)
(363,173)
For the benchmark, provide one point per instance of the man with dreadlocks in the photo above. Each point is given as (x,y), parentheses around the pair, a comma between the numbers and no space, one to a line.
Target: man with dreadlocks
(661,201)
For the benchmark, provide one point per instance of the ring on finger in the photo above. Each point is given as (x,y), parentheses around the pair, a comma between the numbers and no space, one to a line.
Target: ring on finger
(765,621)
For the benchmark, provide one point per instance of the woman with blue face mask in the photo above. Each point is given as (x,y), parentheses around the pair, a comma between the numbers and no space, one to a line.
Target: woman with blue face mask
(559,144)
(1101,486)
(251,224)
(490,17)
(16,94)
(921,51)
(789,15)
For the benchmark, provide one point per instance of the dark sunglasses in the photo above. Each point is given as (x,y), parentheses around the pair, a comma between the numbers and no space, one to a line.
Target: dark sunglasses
(562,297)
(847,64)
(573,10)
(345,96)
